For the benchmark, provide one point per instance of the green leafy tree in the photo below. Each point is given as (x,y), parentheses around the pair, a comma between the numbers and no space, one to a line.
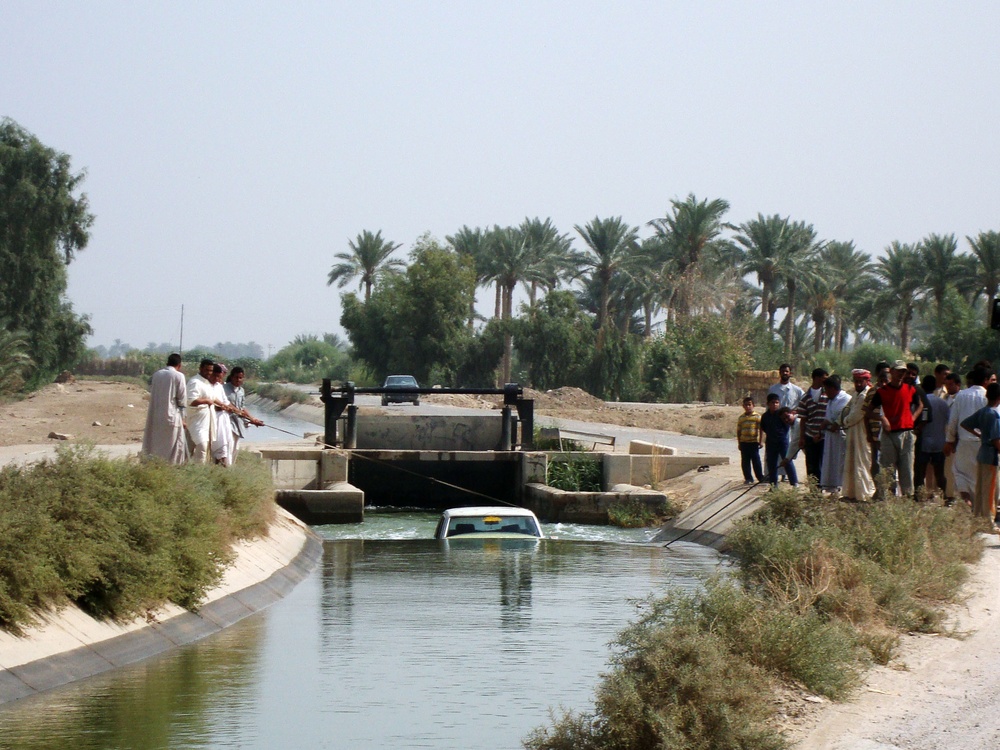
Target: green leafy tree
(414,323)
(44,222)
(368,260)
(554,342)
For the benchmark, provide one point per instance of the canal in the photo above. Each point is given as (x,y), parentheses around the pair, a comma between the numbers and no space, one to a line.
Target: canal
(396,640)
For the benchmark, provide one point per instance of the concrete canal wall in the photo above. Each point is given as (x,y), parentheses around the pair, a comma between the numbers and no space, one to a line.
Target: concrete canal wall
(69,645)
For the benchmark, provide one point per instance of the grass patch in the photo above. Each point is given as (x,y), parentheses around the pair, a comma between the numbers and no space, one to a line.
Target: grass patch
(575,474)
(823,589)
(121,536)
(635,514)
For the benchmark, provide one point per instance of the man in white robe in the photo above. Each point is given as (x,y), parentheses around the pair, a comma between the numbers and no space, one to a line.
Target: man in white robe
(223,446)
(164,433)
(201,421)
(962,444)
(858,483)
(834,440)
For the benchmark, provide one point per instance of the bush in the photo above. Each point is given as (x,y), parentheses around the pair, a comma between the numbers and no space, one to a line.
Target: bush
(575,474)
(823,588)
(118,537)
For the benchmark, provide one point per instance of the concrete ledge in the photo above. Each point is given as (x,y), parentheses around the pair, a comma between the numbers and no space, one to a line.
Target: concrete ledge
(341,503)
(559,506)
(70,645)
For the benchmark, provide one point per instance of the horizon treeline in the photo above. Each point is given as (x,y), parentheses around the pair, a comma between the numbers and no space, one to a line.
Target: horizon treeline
(672,315)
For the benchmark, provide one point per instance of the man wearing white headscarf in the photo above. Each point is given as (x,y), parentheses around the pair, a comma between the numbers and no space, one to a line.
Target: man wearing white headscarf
(858,483)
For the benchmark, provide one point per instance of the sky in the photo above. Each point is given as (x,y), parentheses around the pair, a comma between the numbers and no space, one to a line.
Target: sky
(233,148)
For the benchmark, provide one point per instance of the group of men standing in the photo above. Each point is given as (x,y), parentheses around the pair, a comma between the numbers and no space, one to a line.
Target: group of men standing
(930,433)
(199,421)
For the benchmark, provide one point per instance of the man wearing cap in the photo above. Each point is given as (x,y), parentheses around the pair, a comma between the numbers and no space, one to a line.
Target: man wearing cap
(900,406)
(858,483)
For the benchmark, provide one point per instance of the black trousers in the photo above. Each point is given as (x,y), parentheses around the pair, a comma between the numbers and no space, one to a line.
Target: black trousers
(814,457)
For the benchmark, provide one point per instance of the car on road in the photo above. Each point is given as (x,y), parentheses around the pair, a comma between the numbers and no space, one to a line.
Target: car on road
(397,390)
(488,522)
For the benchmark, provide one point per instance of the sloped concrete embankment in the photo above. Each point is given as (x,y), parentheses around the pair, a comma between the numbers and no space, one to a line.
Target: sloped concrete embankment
(70,645)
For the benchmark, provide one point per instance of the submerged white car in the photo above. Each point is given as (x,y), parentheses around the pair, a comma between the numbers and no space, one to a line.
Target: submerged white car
(488,523)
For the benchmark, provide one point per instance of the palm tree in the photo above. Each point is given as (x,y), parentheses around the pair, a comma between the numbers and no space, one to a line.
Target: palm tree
(14,359)
(369,259)
(612,246)
(551,252)
(986,248)
(765,241)
(900,274)
(795,264)
(693,229)
(513,262)
(473,244)
(941,265)
(852,277)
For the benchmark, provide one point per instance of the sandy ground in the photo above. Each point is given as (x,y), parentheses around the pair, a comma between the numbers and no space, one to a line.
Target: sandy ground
(940,692)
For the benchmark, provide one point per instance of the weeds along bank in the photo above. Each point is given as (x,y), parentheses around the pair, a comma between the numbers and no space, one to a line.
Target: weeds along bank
(824,590)
(119,537)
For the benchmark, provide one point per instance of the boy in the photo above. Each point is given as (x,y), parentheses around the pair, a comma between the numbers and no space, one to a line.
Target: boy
(748,438)
(776,430)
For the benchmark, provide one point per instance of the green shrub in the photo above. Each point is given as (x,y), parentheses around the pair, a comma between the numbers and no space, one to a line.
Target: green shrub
(121,536)
(575,474)
(823,589)
(635,514)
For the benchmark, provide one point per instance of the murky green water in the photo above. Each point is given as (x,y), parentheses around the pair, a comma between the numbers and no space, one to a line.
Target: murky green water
(393,642)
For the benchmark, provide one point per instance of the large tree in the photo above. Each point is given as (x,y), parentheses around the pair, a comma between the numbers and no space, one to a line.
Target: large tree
(414,322)
(612,249)
(692,230)
(44,222)
(368,260)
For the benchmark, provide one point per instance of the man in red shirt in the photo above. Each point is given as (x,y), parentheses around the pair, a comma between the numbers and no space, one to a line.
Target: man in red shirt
(901,406)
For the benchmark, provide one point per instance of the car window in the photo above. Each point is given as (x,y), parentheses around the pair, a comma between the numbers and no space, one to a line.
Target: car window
(400,380)
(484,524)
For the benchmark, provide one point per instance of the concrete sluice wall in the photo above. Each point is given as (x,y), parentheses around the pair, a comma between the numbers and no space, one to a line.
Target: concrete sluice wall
(415,479)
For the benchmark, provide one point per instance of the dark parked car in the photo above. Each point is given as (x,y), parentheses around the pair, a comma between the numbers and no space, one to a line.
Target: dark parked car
(398,390)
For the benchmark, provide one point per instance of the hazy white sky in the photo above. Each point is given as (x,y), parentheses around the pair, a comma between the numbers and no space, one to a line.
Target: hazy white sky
(233,148)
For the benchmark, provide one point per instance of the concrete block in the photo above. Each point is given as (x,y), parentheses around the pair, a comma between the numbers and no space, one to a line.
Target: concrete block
(340,503)
(333,467)
(533,467)
(643,448)
(617,468)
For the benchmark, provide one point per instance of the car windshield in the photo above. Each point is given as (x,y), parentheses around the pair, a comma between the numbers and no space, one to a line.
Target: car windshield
(492,524)
(401,380)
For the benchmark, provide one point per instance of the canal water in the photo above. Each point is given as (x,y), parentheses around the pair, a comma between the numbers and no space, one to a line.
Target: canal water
(396,640)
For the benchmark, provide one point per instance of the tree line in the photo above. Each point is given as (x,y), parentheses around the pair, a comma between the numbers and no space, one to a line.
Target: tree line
(618,313)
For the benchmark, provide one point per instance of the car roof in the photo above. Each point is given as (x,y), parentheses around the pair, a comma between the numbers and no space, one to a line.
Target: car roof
(487,510)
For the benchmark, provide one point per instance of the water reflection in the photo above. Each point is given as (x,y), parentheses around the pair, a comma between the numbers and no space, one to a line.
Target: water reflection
(168,702)
(390,643)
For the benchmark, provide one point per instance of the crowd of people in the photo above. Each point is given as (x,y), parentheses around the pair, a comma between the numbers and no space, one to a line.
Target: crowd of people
(924,437)
(201,420)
